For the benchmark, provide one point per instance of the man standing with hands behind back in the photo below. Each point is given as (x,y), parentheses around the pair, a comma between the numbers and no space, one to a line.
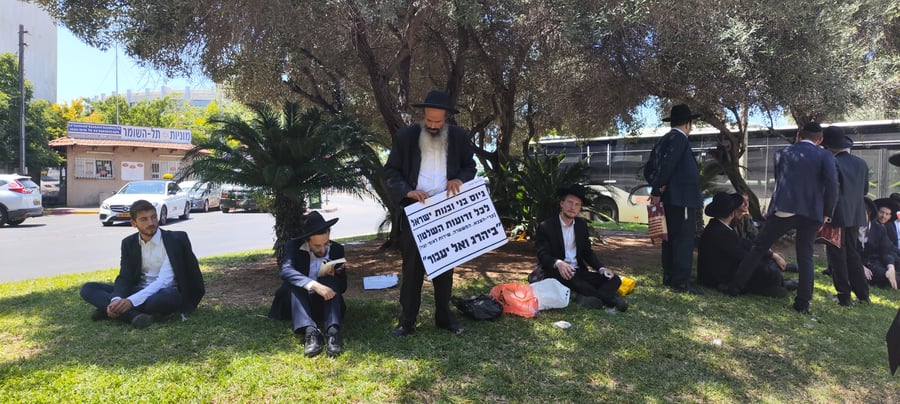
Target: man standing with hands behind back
(677,184)
(426,159)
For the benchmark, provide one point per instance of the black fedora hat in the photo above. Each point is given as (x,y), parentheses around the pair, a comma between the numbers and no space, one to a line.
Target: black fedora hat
(723,204)
(576,190)
(680,113)
(895,159)
(314,224)
(871,207)
(833,137)
(889,203)
(437,99)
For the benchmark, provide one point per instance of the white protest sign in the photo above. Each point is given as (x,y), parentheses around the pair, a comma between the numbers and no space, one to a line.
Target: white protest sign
(452,231)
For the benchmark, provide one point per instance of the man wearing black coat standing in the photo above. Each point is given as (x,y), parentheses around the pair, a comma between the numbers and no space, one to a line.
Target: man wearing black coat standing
(677,184)
(426,159)
(849,214)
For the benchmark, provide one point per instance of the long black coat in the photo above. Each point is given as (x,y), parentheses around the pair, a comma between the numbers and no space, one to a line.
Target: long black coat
(853,179)
(678,172)
(402,168)
(550,247)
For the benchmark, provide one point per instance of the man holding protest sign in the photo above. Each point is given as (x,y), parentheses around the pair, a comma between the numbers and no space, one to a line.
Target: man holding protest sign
(426,159)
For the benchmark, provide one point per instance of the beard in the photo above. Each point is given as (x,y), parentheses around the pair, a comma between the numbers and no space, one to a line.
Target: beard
(433,131)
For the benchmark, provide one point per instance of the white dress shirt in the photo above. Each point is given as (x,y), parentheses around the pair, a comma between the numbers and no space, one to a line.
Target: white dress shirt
(433,166)
(156,270)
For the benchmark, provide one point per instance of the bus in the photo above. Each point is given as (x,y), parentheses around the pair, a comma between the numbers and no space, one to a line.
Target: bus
(616,162)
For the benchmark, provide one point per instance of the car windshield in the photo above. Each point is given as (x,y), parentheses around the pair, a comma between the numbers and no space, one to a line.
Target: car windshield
(144,188)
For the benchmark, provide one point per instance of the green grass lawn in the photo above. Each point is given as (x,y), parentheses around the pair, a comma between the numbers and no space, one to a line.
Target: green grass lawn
(666,348)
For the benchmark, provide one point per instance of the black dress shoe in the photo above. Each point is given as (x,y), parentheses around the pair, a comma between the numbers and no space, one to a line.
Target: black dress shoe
(455,328)
(791,284)
(98,314)
(313,345)
(402,330)
(687,288)
(619,303)
(141,320)
(333,344)
(728,290)
(801,310)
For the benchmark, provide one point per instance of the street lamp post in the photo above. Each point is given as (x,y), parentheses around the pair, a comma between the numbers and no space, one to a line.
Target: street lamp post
(22,169)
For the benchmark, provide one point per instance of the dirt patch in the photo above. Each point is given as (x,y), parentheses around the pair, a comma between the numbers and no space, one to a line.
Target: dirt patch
(252,284)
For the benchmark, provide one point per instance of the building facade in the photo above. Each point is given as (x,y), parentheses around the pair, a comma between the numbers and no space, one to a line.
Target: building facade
(40,52)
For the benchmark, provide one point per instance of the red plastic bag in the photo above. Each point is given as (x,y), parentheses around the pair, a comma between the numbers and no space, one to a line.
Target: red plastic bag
(829,234)
(516,299)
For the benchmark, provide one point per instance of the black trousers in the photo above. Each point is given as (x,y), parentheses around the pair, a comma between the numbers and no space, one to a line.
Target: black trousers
(772,230)
(590,283)
(308,308)
(678,252)
(847,267)
(166,301)
(413,273)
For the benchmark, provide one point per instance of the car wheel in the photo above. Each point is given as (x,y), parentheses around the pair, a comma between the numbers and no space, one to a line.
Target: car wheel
(163,216)
(187,211)
(15,222)
(3,216)
(206,205)
(224,209)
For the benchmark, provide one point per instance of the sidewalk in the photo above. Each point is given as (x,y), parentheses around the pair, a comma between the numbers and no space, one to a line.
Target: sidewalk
(95,211)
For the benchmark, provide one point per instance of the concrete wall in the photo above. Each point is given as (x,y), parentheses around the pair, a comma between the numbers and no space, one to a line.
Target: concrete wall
(40,53)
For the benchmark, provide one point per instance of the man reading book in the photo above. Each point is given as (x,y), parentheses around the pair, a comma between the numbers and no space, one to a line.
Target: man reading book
(314,280)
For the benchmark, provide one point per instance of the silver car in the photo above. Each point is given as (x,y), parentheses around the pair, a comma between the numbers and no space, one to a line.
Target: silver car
(20,198)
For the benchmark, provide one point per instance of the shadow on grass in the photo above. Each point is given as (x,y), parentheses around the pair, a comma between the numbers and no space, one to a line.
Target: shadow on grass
(667,347)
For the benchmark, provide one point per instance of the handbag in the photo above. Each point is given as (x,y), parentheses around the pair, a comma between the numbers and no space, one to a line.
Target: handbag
(550,294)
(829,234)
(481,307)
(656,222)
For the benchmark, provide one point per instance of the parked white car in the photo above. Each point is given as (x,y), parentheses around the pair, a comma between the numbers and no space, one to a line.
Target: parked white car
(20,198)
(170,201)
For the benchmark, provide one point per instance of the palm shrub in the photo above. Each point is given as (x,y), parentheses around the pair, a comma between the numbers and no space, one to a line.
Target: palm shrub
(290,155)
(525,193)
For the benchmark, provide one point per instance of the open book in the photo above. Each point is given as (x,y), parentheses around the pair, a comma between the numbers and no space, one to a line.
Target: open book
(327,269)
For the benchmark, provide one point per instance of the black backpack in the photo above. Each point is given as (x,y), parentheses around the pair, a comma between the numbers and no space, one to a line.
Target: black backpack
(651,169)
(481,307)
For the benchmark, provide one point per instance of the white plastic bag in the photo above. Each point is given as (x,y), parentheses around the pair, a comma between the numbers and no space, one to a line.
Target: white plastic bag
(550,294)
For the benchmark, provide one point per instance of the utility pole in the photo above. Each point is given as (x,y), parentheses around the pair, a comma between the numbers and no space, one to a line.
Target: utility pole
(22,169)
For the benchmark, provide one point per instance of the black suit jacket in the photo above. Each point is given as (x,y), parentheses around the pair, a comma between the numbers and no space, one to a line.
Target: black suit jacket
(678,172)
(853,177)
(878,248)
(402,168)
(550,247)
(806,181)
(184,265)
(295,272)
(719,254)
(891,228)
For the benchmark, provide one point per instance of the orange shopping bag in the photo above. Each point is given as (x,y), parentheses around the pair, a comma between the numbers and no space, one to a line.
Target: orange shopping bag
(516,299)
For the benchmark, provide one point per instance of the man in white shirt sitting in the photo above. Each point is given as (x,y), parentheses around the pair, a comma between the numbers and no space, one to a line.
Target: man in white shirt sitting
(158,275)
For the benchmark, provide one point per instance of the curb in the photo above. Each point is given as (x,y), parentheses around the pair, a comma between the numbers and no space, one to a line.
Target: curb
(70,211)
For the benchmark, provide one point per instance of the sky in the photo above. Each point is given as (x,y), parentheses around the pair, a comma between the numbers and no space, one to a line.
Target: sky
(83,71)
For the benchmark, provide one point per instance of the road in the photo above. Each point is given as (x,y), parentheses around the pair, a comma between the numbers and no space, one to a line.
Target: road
(62,244)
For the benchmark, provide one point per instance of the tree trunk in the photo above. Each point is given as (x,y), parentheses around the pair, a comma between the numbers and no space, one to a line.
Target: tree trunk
(289,221)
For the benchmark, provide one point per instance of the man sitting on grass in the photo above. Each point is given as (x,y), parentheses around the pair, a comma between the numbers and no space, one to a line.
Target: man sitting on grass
(312,287)
(721,250)
(158,275)
(564,252)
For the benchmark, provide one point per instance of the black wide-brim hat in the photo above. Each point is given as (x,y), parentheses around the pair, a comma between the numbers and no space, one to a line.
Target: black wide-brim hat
(680,113)
(889,203)
(871,207)
(723,204)
(576,190)
(314,224)
(833,137)
(437,99)
(895,159)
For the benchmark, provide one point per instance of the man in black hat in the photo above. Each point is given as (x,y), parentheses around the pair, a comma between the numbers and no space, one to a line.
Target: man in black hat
(721,250)
(887,216)
(313,287)
(564,253)
(849,214)
(805,193)
(426,159)
(677,184)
